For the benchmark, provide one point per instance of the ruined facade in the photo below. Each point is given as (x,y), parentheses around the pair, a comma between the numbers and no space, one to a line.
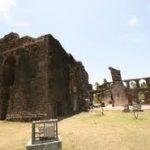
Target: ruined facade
(39,79)
(120,92)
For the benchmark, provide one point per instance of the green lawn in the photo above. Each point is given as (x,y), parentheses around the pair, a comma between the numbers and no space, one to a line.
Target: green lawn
(88,131)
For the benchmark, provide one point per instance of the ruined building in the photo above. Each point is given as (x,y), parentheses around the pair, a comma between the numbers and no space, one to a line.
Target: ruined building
(39,79)
(120,92)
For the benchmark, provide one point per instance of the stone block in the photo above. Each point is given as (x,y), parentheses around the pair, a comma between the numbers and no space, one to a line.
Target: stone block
(54,145)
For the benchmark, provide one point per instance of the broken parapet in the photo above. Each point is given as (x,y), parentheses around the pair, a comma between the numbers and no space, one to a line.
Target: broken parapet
(117,88)
(116,74)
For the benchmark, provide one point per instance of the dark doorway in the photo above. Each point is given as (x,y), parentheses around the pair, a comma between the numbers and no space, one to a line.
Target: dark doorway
(112,100)
(59,109)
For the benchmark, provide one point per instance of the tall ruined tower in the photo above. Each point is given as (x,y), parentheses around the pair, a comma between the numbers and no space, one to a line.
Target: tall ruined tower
(117,88)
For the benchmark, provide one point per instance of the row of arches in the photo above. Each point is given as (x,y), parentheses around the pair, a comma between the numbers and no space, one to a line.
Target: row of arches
(133,84)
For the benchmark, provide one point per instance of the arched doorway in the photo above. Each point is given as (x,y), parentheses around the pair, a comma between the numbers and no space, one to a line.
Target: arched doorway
(142,83)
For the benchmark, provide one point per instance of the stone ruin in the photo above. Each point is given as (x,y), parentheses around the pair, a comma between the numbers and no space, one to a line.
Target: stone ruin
(121,92)
(39,79)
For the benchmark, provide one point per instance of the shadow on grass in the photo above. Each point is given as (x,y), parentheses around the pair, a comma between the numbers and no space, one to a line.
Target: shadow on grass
(60,118)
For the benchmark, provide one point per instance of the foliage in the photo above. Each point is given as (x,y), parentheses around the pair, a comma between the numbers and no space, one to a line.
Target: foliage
(97,85)
(141,96)
(96,98)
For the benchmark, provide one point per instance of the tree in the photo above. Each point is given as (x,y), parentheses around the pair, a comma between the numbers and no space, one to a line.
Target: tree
(97,85)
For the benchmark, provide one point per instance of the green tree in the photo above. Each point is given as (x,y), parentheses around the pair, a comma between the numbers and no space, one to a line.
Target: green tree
(97,85)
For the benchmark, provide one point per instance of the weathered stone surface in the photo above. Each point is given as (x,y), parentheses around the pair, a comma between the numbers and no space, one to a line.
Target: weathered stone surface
(119,96)
(116,75)
(55,145)
(38,78)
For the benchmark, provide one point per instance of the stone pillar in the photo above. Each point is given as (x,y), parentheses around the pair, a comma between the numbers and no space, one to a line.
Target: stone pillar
(128,85)
(137,83)
(147,82)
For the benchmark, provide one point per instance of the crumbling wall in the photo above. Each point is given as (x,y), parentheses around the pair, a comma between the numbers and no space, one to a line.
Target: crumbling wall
(122,92)
(132,96)
(106,97)
(119,94)
(116,74)
(58,77)
(79,85)
(27,94)
(104,93)
(117,88)
(37,77)
(68,80)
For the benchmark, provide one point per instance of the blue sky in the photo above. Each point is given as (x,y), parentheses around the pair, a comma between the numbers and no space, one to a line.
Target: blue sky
(100,33)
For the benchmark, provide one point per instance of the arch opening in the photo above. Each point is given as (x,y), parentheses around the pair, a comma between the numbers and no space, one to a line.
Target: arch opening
(142,83)
(133,84)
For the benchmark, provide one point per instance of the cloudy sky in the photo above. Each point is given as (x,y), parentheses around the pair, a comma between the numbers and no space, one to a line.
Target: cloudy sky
(100,33)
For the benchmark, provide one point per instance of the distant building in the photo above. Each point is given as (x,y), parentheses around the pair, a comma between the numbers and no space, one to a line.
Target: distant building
(39,79)
(120,92)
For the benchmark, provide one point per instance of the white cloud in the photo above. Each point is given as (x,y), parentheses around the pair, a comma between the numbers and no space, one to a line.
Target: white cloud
(125,36)
(130,38)
(133,21)
(5,8)
(7,15)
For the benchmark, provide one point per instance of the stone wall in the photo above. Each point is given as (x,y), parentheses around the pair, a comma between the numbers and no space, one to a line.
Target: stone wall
(36,78)
(115,74)
(118,90)
(119,95)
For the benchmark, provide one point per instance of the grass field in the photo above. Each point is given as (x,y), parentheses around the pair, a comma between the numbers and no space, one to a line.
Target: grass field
(87,131)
